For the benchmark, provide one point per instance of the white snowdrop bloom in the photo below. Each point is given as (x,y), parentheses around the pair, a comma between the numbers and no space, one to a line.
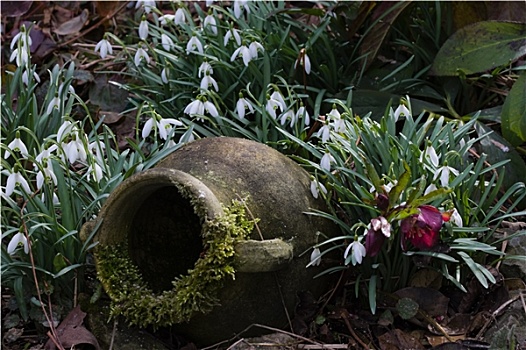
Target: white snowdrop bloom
(303,60)
(401,110)
(338,125)
(97,148)
(244,52)
(208,81)
(167,42)
(316,187)
(315,257)
(164,75)
(211,109)
(276,95)
(140,56)
(444,173)
(16,179)
(238,7)
(196,107)
(95,172)
(242,105)
(430,155)
(209,3)
(55,199)
(165,19)
(288,115)
(194,45)
(389,186)
(204,69)
(65,130)
(45,155)
(334,114)
(104,48)
(232,33)
(143,28)
(54,103)
(17,145)
(456,219)
(20,55)
(25,77)
(147,127)
(254,47)
(430,188)
(324,133)
(326,160)
(46,175)
(23,37)
(180,16)
(302,113)
(271,106)
(210,22)
(148,5)
(17,240)
(357,250)
(166,125)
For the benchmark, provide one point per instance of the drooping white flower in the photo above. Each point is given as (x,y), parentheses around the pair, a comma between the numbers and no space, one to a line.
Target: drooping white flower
(143,28)
(46,175)
(25,77)
(244,52)
(316,187)
(324,133)
(288,115)
(20,55)
(211,109)
(65,130)
(242,105)
(456,218)
(167,42)
(326,160)
(16,240)
(302,113)
(196,107)
(166,125)
(165,19)
(430,155)
(180,16)
(104,47)
(238,7)
(164,75)
(276,95)
(210,22)
(208,81)
(315,257)
(22,37)
(193,45)
(17,145)
(357,250)
(271,106)
(254,47)
(16,179)
(95,171)
(303,60)
(401,110)
(444,172)
(430,188)
(336,120)
(232,33)
(45,155)
(54,103)
(148,5)
(204,69)
(140,56)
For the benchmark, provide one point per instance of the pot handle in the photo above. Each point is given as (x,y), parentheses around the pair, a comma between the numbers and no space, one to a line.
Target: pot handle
(262,256)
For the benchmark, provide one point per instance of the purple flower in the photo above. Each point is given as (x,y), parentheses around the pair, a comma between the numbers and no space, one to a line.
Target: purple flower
(422,229)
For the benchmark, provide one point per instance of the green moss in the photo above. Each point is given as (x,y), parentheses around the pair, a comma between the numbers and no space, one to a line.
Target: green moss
(194,292)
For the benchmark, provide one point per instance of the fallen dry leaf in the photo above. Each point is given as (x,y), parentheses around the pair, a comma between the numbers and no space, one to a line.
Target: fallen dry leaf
(71,333)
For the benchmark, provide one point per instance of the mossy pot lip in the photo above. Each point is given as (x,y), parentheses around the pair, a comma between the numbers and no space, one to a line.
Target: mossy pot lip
(117,213)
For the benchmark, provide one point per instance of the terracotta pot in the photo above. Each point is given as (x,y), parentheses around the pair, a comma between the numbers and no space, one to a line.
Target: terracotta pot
(160,214)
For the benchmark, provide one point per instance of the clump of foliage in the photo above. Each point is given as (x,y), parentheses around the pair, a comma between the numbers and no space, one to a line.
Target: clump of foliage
(191,293)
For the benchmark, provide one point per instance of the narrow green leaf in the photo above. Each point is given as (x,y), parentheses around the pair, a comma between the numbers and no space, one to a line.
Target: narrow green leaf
(401,186)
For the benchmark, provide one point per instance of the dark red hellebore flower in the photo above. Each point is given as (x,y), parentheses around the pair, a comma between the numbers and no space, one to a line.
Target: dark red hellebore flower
(423,229)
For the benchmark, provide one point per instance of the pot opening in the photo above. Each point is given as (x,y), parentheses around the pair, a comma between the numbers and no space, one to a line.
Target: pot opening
(165,237)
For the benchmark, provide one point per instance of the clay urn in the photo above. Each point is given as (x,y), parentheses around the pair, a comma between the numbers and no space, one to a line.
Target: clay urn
(173,252)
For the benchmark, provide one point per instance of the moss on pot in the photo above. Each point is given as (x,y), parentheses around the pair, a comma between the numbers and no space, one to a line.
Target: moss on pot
(197,291)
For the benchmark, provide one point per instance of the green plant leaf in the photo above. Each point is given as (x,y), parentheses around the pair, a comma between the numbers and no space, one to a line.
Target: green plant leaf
(407,308)
(480,47)
(514,113)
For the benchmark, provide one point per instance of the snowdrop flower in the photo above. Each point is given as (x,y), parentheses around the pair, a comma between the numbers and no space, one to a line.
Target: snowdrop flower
(199,106)
(254,47)
(54,103)
(316,187)
(164,75)
(193,45)
(444,172)
(18,239)
(209,3)
(315,257)
(456,218)
(22,37)
(140,56)
(45,155)
(165,19)
(334,114)
(16,179)
(210,22)
(232,33)
(244,52)
(431,155)
(167,42)
(208,81)
(46,175)
(389,186)
(271,106)
(324,133)
(204,69)
(104,47)
(242,105)
(238,7)
(20,55)
(17,145)
(288,115)
(74,149)
(357,250)
(276,95)
(95,171)
(302,113)
(303,60)
(326,160)
(336,120)
(143,28)
(97,148)
(55,199)
(430,189)
(147,4)
(166,125)
(65,130)
(25,77)
(180,16)
(401,110)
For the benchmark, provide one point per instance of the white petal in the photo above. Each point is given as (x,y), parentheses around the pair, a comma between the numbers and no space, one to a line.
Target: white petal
(147,128)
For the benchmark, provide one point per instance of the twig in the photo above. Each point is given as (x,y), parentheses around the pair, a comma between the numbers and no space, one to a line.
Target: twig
(251,216)
(495,314)
(283,301)
(113,334)
(343,314)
